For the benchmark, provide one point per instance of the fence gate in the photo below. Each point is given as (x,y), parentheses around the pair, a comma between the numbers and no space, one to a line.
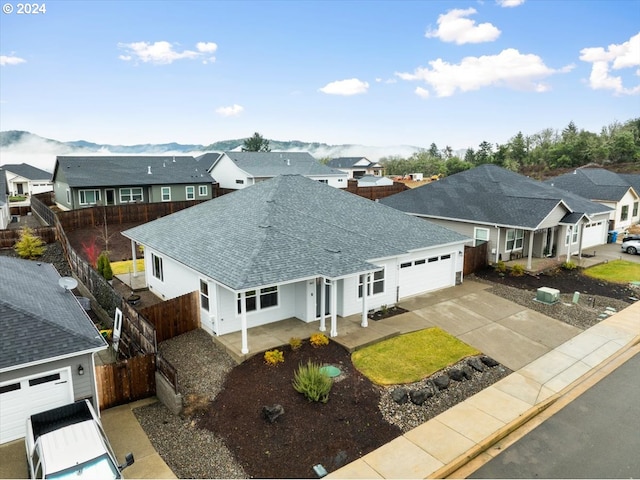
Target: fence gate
(126,381)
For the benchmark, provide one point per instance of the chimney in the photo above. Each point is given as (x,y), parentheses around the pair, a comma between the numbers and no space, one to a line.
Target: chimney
(149,170)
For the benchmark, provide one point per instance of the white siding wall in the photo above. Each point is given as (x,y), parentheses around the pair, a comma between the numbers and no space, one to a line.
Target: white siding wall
(628,201)
(226,172)
(336,182)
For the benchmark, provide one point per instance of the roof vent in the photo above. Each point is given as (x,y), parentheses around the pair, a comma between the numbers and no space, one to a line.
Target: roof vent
(288,162)
(264,225)
(174,159)
(332,250)
(149,170)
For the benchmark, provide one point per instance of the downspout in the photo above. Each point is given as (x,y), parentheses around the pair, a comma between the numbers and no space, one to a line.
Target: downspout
(365,288)
(497,244)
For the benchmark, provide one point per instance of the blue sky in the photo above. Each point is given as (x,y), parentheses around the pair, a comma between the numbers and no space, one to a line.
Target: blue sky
(372,73)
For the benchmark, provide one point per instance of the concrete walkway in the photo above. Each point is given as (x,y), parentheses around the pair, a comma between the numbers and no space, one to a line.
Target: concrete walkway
(446,443)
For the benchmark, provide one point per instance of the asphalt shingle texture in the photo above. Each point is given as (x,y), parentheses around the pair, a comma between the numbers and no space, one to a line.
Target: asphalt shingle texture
(593,183)
(271,164)
(27,171)
(285,229)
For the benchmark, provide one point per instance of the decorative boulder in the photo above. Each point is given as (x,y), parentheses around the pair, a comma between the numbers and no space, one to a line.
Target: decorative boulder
(456,374)
(271,413)
(476,364)
(418,397)
(488,361)
(400,395)
(441,381)
(467,371)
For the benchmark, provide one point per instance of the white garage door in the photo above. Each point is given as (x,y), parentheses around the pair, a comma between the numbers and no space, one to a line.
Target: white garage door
(21,398)
(426,274)
(594,234)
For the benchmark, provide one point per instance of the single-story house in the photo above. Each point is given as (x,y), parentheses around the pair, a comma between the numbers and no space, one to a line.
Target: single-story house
(607,188)
(518,216)
(24,179)
(115,180)
(356,167)
(293,247)
(238,170)
(5,212)
(48,345)
(373,181)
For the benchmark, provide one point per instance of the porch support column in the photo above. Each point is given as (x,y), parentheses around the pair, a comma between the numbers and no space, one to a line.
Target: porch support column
(580,242)
(243,319)
(365,288)
(497,244)
(334,307)
(133,256)
(530,252)
(552,242)
(570,231)
(323,303)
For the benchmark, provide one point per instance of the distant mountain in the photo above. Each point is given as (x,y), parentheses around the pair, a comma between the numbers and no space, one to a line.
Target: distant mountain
(29,146)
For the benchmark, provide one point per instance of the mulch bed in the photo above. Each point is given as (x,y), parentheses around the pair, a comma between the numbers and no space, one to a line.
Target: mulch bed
(344,429)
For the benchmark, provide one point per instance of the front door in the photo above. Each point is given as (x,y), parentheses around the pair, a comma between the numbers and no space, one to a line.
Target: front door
(20,188)
(110,196)
(327,297)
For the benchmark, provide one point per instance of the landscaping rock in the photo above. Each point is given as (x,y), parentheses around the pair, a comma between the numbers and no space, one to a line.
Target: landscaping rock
(456,374)
(476,364)
(418,397)
(467,371)
(271,413)
(400,395)
(488,361)
(442,381)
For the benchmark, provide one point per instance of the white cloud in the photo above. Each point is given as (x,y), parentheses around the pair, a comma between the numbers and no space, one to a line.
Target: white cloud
(509,68)
(164,53)
(509,3)
(351,86)
(11,60)
(453,26)
(616,57)
(231,111)
(422,92)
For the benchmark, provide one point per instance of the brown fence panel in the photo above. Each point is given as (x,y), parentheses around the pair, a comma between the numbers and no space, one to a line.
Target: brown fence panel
(8,238)
(168,371)
(376,192)
(126,381)
(475,258)
(174,317)
(22,211)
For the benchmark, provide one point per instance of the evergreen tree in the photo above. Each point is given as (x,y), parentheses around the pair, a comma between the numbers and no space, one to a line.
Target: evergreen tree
(29,245)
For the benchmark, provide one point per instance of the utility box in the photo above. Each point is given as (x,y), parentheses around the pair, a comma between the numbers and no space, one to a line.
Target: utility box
(548,295)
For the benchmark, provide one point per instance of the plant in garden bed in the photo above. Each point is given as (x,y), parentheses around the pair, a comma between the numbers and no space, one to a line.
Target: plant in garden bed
(273,357)
(29,245)
(319,340)
(569,265)
(91,250)
(312,382)
(517,270)
(295,343)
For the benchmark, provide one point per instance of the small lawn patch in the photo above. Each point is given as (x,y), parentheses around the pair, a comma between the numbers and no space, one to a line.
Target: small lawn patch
(617,271)
(411,357)
(120,268)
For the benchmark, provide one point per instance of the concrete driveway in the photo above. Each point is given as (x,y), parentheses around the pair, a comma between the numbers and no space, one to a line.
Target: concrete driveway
(510,333)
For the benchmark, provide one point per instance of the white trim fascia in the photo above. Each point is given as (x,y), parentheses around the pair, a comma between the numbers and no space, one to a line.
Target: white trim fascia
(53,359)
(472,222)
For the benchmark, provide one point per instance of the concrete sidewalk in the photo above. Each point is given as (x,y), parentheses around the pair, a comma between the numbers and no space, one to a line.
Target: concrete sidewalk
(447,442)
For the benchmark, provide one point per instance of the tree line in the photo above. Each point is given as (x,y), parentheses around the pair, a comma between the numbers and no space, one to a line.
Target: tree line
(534,154)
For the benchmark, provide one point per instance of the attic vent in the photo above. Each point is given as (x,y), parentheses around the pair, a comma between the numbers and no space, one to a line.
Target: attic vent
(264,226)
(332,250)
(149,170)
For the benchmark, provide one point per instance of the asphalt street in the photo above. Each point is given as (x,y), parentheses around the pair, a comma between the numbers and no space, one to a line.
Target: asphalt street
(595,436)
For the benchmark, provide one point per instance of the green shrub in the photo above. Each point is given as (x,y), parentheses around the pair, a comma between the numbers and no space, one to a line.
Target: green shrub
(569,265)
(319,340)
(295,343)
(517,270)
(103,266)
(273,357)
(29,246)
(501,267)
(314,384)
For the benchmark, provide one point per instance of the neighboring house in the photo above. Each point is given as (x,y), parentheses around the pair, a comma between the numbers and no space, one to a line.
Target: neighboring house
(292,247)
(373,181)
(87,181)
(48,345)
(5,212)
(356,167)
(518,216)
(238,170)
(620,192)
(23,179)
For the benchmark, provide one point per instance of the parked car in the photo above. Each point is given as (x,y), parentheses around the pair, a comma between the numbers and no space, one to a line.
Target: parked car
(631,246)
(69,442)
(631,236)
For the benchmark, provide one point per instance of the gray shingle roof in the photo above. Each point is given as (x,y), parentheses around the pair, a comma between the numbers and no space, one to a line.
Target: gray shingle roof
(27,171)
(492,195)
(271,164)
(633,179)
(38,319)
(285,229)
(131,170)
(592,183)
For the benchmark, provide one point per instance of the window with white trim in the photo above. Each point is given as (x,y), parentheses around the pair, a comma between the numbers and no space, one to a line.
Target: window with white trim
(89,197)
(376,285)
(635,209)
(128,195)
(204,295)
(515,239)
(567,238)
(480,235)
(156,265)
(165,192)
(624,213)
(265,298)
(203,190)
(190,192)
(68,196)
(574,235)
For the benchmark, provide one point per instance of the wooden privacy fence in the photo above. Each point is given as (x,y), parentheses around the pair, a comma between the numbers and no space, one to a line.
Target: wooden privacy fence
(475,258)
(174,317)
(126,381)
(8,238)
(376,192)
